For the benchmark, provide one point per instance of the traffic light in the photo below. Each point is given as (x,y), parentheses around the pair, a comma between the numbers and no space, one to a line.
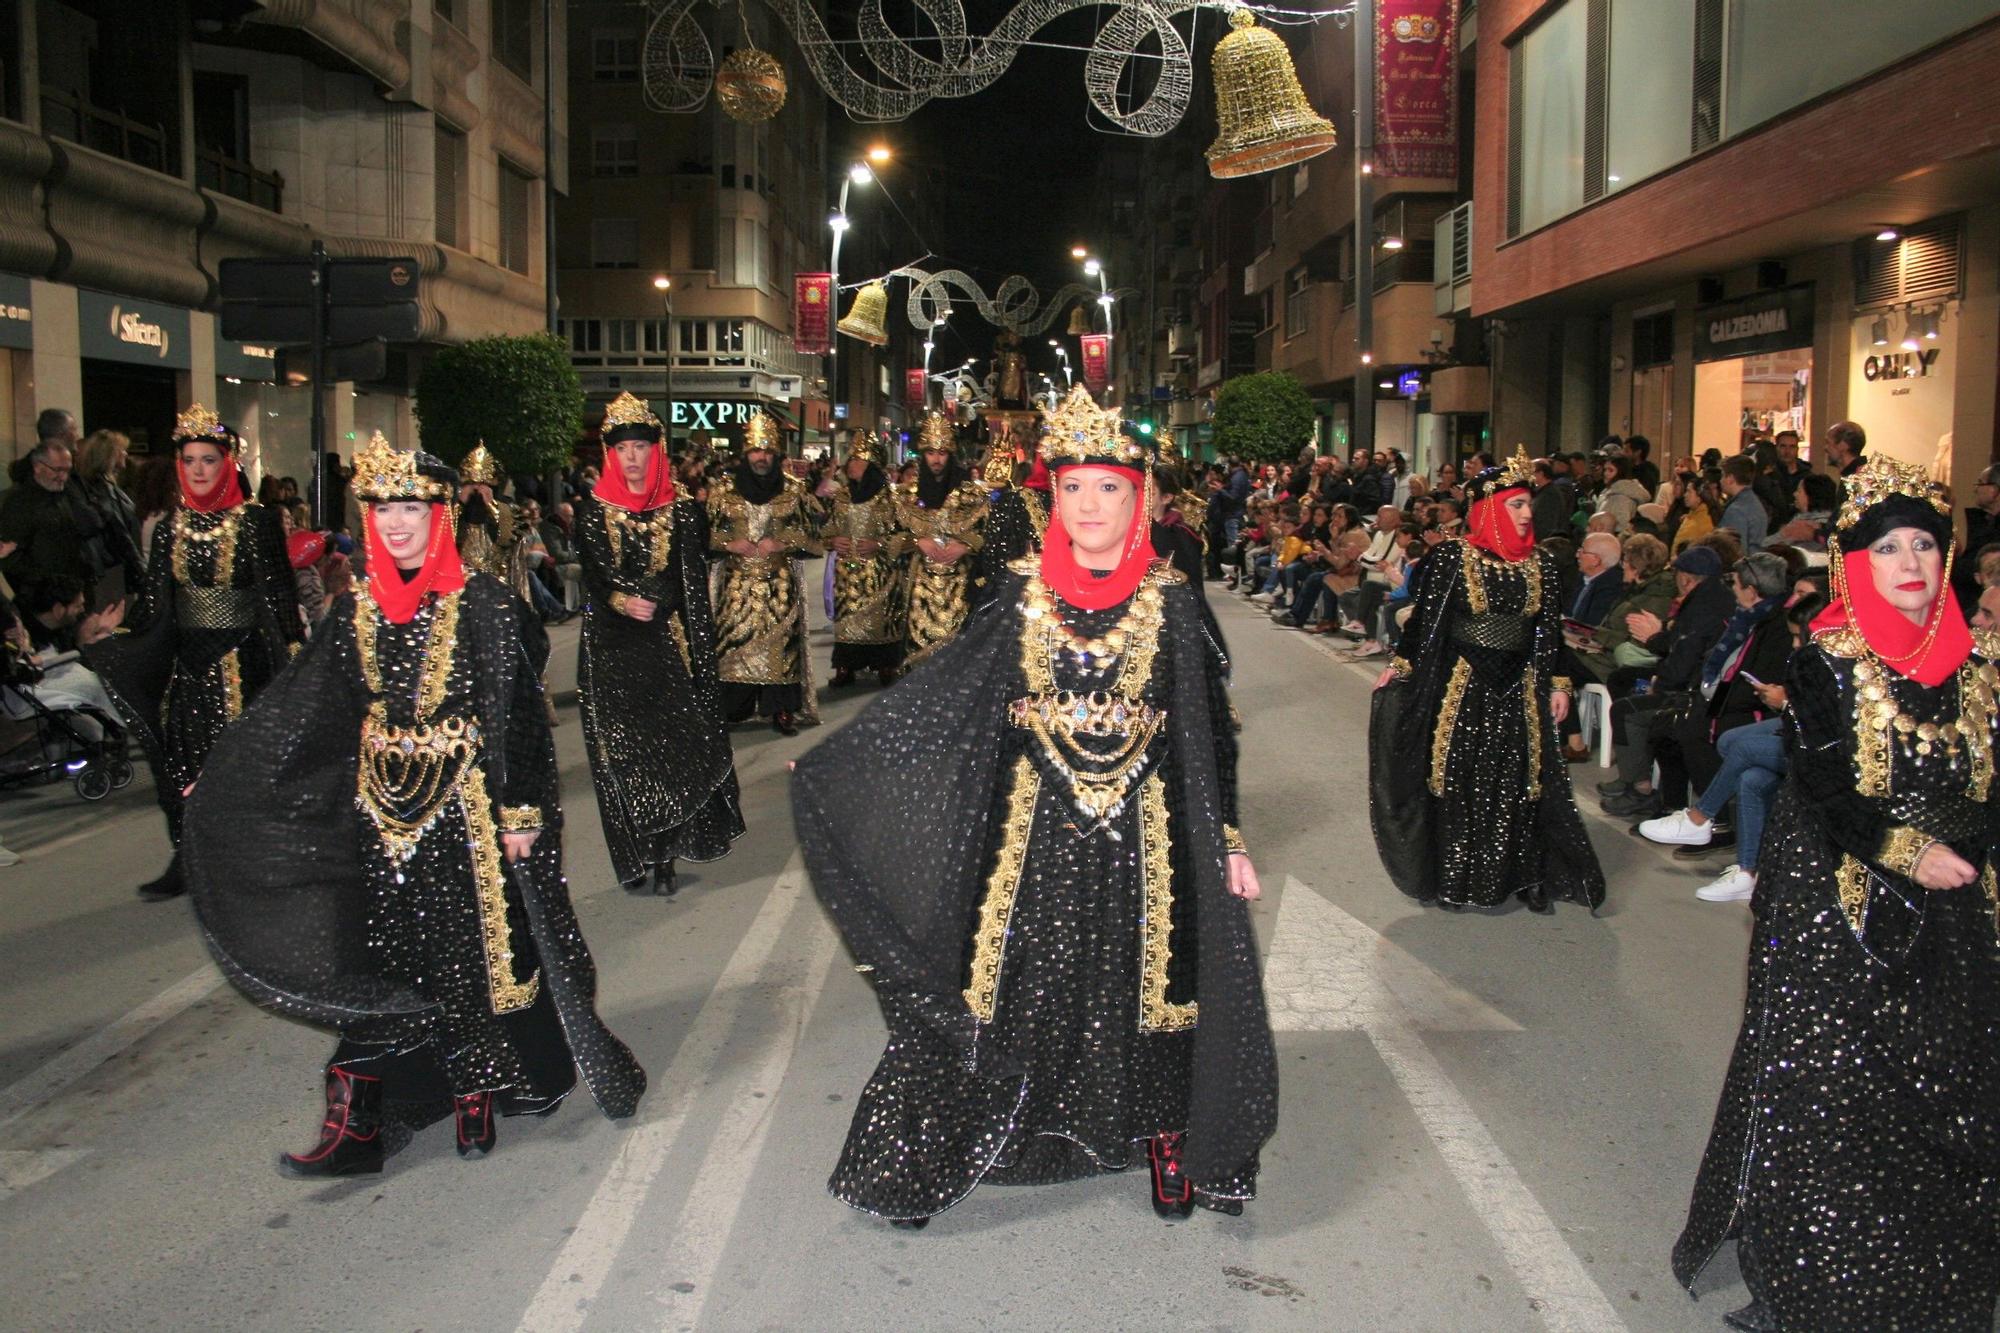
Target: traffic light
(1145,428)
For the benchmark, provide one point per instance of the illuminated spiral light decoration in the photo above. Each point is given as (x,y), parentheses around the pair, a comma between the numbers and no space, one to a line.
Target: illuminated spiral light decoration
(1014,305)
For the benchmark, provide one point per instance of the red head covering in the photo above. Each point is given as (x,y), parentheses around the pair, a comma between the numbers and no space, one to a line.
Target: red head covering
(1038,476)
(225,492)
(656,490)
(1083,588)
(1490,528)
(441,573)
(1928,653)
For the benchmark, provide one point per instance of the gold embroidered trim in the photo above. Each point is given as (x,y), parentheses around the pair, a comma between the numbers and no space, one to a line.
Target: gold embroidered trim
(1976,691)
(997,907)
(520,819)
(657,525)
(1874,722)
(1561,685)
(1475,583)
(406,774)
(1852,881)
(439,651)
(1232,839)
(1534,735)
(1454,695)
(1156,1012)
(232,684)
(1400,665)
(1038,513)
(489,881)
(1531,570)
(679,631)
(1902,847)
(1476,566)
(618,600)
(223,535)
(1991,884)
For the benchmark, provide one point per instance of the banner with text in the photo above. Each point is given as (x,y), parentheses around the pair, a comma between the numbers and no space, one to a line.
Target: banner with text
(1416,88)
(916,386)
(812,322)
(1096,360)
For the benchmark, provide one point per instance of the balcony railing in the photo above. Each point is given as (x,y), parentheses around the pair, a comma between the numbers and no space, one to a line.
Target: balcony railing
(67,116)
(239,180)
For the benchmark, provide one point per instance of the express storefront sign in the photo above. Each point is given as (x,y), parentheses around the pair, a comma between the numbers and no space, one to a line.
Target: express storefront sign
(1774,321)
(714,413)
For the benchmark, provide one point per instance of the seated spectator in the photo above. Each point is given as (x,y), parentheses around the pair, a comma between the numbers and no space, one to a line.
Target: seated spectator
(1706,601)
(1598,559)
(306,550)
(1321,597)
(52,624)
(1622,494)
(1986,614)
(1816,497)
(558,535)
(1697,502)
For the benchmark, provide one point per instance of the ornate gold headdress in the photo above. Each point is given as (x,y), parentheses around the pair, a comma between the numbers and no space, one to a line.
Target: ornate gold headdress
(1000,468)
(1518,470)
(479,467)
(628,409)
(865,446)
(384,472)
(1080,431)
(1881,479)
(201,423)
(761,432)
(936,433)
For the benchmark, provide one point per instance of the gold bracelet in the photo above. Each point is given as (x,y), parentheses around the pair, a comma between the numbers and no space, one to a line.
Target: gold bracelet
(1562,685)
(1232,838)
(1902,847)
(1399,665)
(618,600)
(520,819)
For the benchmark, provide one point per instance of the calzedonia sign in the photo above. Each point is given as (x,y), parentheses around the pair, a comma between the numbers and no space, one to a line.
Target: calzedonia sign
(1774,321)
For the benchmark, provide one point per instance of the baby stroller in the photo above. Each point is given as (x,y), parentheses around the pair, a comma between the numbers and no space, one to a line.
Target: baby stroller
(40,744)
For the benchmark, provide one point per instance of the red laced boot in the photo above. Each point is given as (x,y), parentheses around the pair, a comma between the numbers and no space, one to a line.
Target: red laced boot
(1173,1193)
(350,1139)
(475,1124)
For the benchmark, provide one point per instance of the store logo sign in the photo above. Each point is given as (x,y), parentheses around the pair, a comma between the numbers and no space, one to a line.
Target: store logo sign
(128,326)
(700,414)
(1900,365)
(1760,325)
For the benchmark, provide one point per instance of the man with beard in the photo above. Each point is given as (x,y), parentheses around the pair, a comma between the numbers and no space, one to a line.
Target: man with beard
(944,511)
(760,521)
(867,568)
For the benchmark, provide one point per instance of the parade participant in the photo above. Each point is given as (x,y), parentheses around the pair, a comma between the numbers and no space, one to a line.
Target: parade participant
(1855,1155)
(761,521)
(1469,794)
(485,524)
(646,673)
(868,588)
(1016,518)
(218,619)
(1055,923)
(944,512)
(375,848)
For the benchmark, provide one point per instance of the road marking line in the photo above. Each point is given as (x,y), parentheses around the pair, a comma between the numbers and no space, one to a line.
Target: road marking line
(38,1086)
(20,1169)
(56,844)
(695,1246)
(580,1268)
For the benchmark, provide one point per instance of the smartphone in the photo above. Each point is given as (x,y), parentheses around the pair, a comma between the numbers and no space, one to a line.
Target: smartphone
(1752,679)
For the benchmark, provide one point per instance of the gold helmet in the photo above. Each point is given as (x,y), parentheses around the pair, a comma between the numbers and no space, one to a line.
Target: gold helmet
(201,423)
(937,434)
(630,417)
(761,432)
(479,468)
(865,445)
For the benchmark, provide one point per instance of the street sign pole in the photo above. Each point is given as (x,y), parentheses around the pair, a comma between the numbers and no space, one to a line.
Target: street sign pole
(319,495)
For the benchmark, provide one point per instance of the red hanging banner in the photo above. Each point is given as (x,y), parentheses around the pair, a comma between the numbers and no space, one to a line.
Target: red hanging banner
(1416,88)
(1096,360)
(812,321)
(916,386)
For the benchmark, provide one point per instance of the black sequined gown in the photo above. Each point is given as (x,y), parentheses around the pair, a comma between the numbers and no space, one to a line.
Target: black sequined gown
(1062,969)
(1856,1151)
(218,618)
(1016,518)
(648,691)
(1479,655)
(344,858)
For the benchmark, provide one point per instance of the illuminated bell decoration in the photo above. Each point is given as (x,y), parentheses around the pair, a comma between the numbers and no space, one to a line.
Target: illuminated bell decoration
(1265,120)
(1079,322)
(866,317)
(750,85)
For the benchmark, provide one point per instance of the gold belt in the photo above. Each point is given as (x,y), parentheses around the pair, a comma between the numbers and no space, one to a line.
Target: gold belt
(408,773)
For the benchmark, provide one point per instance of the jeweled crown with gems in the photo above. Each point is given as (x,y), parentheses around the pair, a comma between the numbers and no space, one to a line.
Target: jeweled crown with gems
(760,432)
(1880,479)
(627,409)
(1079,431)
(201,423)
(936,433)
(384,472)
(479,467)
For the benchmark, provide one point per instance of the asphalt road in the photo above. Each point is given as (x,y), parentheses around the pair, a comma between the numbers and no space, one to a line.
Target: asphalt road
(1487,1122)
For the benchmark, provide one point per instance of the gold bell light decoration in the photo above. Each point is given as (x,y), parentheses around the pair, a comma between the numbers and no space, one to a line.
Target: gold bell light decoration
(1079,322)
(1265,120)
(750,85)
(866,318)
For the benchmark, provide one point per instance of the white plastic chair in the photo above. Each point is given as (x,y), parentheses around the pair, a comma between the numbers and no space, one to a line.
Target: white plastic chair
(1593,718)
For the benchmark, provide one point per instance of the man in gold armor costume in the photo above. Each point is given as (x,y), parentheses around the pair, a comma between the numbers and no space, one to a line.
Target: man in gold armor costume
(868,549)
(944,513)
(760,522)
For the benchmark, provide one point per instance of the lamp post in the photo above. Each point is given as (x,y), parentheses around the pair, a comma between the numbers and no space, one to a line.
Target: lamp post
(1362,435)
(858,173)
(1063,354)
(664,285)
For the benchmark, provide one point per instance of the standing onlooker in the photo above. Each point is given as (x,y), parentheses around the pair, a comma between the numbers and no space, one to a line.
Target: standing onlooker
(1744,514)
(1639,463)
(1554,502)
(43,515)
(100,460)
(157,492)
(1844,442)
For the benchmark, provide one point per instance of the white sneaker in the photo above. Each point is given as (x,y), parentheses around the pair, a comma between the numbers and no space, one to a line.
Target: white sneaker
(1733,885)
(1678,830)
(1263,597)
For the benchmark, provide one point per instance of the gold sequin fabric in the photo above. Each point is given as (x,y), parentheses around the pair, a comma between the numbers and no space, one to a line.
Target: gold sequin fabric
(940,595)
(1855,1153)
(760,621)
(868,591)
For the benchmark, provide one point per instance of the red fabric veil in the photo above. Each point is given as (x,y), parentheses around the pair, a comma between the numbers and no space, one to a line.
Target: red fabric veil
(655,491)
(226,492)
(1490,529)
(442,573)
(1928,653)
(1083,588)
(1038,477)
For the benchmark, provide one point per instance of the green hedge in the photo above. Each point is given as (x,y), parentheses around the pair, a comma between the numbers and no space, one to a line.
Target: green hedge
(518,394)
(1266,417)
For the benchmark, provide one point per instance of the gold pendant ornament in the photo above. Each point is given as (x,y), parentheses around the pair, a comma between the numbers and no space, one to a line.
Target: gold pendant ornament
(1265,120)
(750,85)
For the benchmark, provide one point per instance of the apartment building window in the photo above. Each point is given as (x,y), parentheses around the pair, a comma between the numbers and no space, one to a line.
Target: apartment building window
(222,142)
(614,243)
(514,25)
(657,337)
(517,192)
(1547,87)
(614,151)
(621,340)
(448,181)
(103,84)
(614,55)
(585,335)
(1267,308)
(447,10)
(1298,304)
(1647,122)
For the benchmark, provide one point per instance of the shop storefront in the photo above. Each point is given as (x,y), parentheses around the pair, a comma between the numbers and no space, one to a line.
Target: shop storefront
(274,419)
(1753,368)
(1903,383)
(136,358)
(17,367)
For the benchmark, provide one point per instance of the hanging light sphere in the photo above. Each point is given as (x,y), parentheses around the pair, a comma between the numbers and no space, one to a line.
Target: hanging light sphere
(1265,120)
(750,85)
(867,317)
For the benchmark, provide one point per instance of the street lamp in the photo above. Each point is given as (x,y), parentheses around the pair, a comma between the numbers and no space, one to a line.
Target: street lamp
(858,173)
(664,285)
(1094,268)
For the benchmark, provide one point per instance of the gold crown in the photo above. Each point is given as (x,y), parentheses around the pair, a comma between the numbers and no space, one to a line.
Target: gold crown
(1000,467)
(865,446)
(1080,431)
(199,423)
(936,433)
(761,432)
(384,472)
(479,467)
(629,410)
(1883,478)
(1518,470)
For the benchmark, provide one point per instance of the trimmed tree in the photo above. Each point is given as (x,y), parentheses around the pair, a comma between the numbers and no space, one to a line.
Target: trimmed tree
(1264,417)
(518,394)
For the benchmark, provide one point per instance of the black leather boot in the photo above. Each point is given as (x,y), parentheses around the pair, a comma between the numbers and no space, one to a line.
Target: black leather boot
(168,885)
(842,676)
(785,725)
(664,883)
(350,1139)
(1173,1195)
(473,1115)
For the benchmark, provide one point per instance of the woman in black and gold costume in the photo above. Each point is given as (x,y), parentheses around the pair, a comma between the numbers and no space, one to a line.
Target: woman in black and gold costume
(1855,1156)
(1468,791)
(646,677)
(867,549)
(375,848)
(1056,932)
(219,618)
